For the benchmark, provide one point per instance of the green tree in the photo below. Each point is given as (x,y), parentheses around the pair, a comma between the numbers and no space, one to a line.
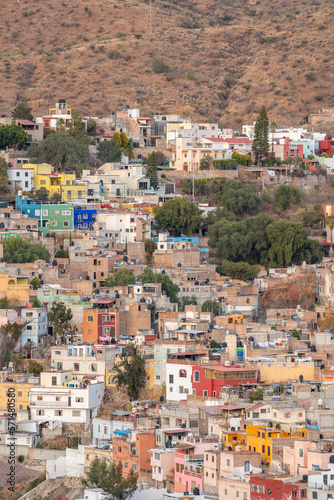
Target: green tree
(110,478)
(256,395)
(296,333)
(152,171)
(12,136)
(124,140)
(62,254)
(206,163)
(285,196)
(237,270)
(239,199)
(150,247)
(159,66)
(77,129)
(260,145)
(167,285)
(41,194)
(273,127)
(122,277)
(35,368)
(117,139)
(61,150)
(242,159)
(187,300)
(212,306)
(3,176)
(36,302)
(22,112)
(91,126)
(214,345)
(60,316)
(35,283)
(17,250)
(109,151)
(178,215)
(156,158)
(131,372)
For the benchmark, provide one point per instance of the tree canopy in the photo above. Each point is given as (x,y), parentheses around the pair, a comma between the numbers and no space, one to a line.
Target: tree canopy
(3,176)
(260,145)
(110,478)
(122,277)
(22,112)
(12,136)
(285,196)
(261,240)
(60,149)
(77,129)
(178,215)
(167,285)
(60,317)
(17,250)
(109,151)
(237,270)
(131,372)
(238,198)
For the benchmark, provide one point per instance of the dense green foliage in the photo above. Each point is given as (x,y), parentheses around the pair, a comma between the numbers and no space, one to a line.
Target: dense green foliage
(131,372)
(244,160)
(110,478)
(238,198)
(122,277)
(225,164)
(260,145)
(167,285)
(178,215)
(237,270)
(212,306)
(256,395)
(12,136)
(3,176)
(187,300)
(312,218)
(60,316)
(22,112)
(17,250)
(60,149)
(151,169)
(261,240)
(109,151)
(285,196)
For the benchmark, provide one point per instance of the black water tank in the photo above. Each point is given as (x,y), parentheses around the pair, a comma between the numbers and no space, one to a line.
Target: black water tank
(305,476)
(331,459)
(196,491)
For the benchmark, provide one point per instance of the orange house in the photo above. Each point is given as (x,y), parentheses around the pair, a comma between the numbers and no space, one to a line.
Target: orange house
(101,321)
(133,451)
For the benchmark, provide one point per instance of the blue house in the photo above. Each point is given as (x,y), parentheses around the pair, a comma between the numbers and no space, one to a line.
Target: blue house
(84,217)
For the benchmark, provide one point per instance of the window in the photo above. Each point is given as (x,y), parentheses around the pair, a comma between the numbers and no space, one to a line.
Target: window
(245,496)
(303,494)
(119,449)
(228,462)
(126,465)
(58,413)
(181,389)
(270,492)
(90,318)
(261,489)
(314,494)
(79,400)
(39,398)
(157,456)
(294,493)
(41,413)
(66,223)
(205,393)
(193,423)
(76,413)
(19,394)
(66,212)
(53,223)
(237,493)
(76,367)
(196,376)
(171,379)
(134,466)
(225,492)
(268,451)
(301,452)
(183,374)
(45,212)
(54,381)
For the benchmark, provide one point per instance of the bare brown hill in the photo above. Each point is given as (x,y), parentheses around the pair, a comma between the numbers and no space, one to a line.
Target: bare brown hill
(225,58)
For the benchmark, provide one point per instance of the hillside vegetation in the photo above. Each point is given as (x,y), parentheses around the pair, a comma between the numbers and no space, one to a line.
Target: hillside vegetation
(206,59)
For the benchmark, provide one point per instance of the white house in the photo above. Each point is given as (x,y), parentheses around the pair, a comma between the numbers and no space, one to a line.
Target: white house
(178,380)
(35,321)
(69,465)
(320,482)
(76,405)
(20,178)
(123,226)
(103,429)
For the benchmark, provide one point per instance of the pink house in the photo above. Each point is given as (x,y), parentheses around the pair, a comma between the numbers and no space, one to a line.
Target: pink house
(162,463)
(304,456)
(188,469)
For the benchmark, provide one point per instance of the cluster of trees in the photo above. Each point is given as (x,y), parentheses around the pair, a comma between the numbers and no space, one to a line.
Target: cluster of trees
(17,250)
(178,216)
(112,151)
(110,478)
(131,372)
(12,136)
(262,240)
(153,160)
(60,317)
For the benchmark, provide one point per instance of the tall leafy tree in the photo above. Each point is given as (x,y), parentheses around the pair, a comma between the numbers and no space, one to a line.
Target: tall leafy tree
(117,139)
(12,136)
(3,176)
(152,171)
(110,478)
(167,285)
(131,372)
(22,112)
(239,199)
(20,251)
(285,196)
(178,215)
(61,150)
(122,277)
(109,151)
(237,270)
(77,129)
(60,317)
(260,145)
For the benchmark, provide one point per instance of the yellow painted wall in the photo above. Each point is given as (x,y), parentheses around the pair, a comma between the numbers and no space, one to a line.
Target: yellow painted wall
(234,439)
(283,372)
(149,365)
(15,288)
(39,170)
(21,395)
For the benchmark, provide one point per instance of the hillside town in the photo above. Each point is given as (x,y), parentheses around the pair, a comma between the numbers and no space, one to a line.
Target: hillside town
(166,308)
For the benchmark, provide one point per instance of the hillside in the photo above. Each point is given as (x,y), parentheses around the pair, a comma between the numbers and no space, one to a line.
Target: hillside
(240,55)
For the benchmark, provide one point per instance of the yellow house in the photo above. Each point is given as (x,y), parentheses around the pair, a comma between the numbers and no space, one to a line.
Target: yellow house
(231,439)
(149,365)
(285,371)
(65,185)
(15,288)
(261,439)
(20,395)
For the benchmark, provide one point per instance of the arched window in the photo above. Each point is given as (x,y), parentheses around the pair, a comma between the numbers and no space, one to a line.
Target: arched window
(183,374)
(196,376)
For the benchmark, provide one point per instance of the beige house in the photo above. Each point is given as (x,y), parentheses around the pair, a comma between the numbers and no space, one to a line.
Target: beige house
(188,157)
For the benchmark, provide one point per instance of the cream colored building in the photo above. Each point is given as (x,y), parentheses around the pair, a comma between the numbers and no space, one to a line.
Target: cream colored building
(188,157)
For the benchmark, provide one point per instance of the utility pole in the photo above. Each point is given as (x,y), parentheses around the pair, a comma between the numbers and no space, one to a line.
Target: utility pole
(192,168)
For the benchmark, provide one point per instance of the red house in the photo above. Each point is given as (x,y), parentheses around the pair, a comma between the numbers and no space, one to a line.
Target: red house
(208,380)
(264,486)
(326,146)
(292,150)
